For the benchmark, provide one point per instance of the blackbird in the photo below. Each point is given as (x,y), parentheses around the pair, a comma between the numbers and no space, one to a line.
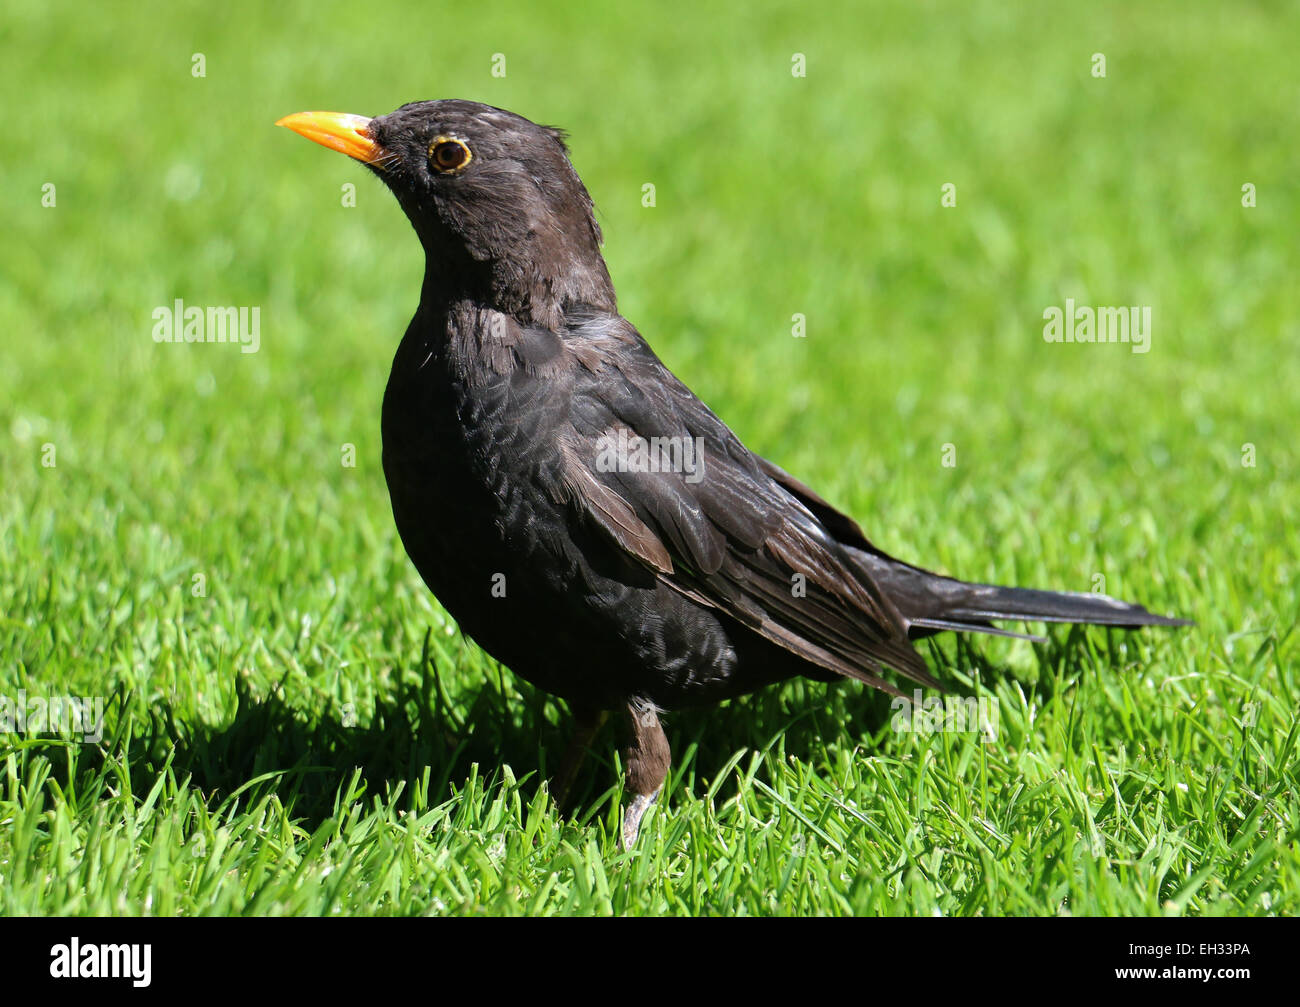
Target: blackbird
(578,510)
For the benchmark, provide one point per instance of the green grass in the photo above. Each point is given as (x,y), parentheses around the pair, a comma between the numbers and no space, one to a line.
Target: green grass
(309,733)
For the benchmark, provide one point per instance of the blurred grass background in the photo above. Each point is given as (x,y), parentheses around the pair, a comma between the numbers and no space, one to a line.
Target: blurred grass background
(1141,774)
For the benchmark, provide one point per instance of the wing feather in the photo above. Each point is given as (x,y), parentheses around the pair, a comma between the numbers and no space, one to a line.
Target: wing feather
(734,532)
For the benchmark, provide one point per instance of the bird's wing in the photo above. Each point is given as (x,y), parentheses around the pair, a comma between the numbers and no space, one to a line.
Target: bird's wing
(646,462)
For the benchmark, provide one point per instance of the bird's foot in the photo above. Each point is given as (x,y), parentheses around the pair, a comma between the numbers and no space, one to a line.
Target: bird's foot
(632,817)
(646,760)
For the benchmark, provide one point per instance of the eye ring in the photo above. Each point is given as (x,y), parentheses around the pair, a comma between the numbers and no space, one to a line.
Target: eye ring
(448,155)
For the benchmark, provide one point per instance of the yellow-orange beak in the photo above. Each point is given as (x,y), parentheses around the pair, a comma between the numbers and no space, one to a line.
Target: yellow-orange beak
(348,134)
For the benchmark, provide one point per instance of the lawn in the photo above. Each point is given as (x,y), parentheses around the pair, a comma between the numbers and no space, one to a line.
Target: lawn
(292,724)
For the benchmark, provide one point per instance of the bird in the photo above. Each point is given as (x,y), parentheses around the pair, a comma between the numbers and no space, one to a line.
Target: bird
(583,516)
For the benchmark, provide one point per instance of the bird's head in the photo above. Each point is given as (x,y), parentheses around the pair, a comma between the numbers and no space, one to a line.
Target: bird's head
(493,197)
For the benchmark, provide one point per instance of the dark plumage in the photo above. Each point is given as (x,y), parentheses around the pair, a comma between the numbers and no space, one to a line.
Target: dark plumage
(514,424)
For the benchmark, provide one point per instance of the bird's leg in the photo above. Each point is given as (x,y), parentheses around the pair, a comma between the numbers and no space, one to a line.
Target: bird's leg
(587,724)
(645,761)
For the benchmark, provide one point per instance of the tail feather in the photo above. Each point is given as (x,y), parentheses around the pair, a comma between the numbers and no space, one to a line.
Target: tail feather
(926,627)
(986,601)
(931,603)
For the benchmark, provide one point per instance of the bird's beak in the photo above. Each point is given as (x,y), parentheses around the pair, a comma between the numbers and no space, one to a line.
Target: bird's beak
(348,134)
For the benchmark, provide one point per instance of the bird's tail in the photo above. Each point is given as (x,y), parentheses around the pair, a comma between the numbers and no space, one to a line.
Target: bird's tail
(931,603)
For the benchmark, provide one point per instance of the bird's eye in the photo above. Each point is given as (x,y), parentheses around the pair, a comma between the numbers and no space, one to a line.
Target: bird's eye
(448,155)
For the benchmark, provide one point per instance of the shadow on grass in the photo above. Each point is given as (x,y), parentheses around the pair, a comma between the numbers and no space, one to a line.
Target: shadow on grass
(306,757)
(313,755)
